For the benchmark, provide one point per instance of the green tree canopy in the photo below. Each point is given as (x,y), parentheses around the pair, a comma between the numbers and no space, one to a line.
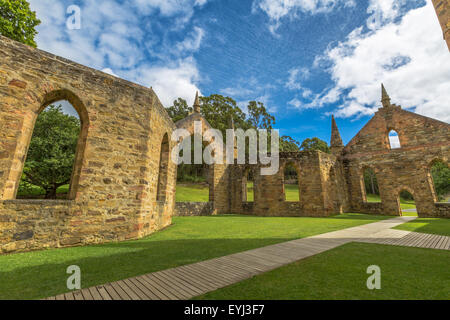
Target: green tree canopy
(315,144)
(179,110)
(288,144)
(441,178)
(52,150)
(259,117)
(18,22)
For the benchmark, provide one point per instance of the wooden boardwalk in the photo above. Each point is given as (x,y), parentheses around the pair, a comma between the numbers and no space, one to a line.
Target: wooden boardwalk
(189,281)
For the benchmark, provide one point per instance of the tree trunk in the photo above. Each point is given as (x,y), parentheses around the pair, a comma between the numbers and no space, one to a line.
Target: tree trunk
(50,194)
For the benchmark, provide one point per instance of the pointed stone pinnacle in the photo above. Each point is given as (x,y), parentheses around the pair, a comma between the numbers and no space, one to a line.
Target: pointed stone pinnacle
(336,140)
(385,99)
(197,104)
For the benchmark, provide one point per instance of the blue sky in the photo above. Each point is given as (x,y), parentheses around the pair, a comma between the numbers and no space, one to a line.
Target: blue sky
(305,59)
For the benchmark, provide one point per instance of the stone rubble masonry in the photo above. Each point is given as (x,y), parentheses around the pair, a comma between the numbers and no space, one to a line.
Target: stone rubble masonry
(114,183)
(443,12)
(193,209)
(123,186)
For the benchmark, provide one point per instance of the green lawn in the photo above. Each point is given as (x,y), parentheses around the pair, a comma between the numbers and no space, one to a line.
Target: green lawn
(428,225)
(406,273)
(190,239)
(200,192)
(404,204)
(192,193)
(37,192)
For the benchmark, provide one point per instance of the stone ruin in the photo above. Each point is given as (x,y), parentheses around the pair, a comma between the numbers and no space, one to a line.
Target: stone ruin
(123,183)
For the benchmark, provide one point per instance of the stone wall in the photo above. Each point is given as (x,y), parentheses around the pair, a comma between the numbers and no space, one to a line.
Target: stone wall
(443,12)
(423,140)
(192,209)
(316,197)
(115,179)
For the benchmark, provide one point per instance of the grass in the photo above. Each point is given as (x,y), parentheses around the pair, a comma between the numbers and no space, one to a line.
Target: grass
(38,192)
(404,204)
(41,274)
(428,225)
(189,192)
(406,273)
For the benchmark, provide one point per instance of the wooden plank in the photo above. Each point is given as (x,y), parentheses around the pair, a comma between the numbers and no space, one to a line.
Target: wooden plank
(174,288)
(186,288)
(134,289)
(111,292)
(86,294)
(443,240)
(154,282)
(211,273)
(149,293)
(245,261)
(173,275)
(128,291)
(200,283)
(418,239)
(446,243)
(122,294)
(251,269)
(227,272)
(95,294)
(213,280)
(78,295)
(103,293)
(69,296)
(60,297)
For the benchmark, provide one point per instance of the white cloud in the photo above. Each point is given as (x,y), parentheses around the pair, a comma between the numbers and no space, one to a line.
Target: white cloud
(193,41)
(278,9)
(115,36)
(171,81)
(295,76)
(409,57)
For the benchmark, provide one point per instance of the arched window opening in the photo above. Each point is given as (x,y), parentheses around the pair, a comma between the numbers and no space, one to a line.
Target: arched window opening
(291,183)
(193,181)
(407,203)
(248,186)
(371,186)
(163,170)
(394,140)
(440,173)
(49,167)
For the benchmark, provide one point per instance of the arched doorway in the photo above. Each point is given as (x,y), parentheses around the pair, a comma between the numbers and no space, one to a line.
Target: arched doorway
(291,183)
(440,177)
(371,188)
(248,186)
(407,202)
(55,150)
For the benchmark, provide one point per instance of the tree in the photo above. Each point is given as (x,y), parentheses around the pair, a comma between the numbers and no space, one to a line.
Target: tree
(18,22)
(259,118)
(370,182)
(441,178)
(179,110)
(52,150)
(218,110)
(315,144)
(288,144)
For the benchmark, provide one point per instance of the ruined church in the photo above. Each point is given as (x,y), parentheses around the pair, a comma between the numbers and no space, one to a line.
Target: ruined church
(123,183)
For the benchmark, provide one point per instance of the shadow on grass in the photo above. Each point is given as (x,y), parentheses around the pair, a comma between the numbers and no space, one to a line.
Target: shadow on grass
(428,225)
(41,274)
(137,258)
